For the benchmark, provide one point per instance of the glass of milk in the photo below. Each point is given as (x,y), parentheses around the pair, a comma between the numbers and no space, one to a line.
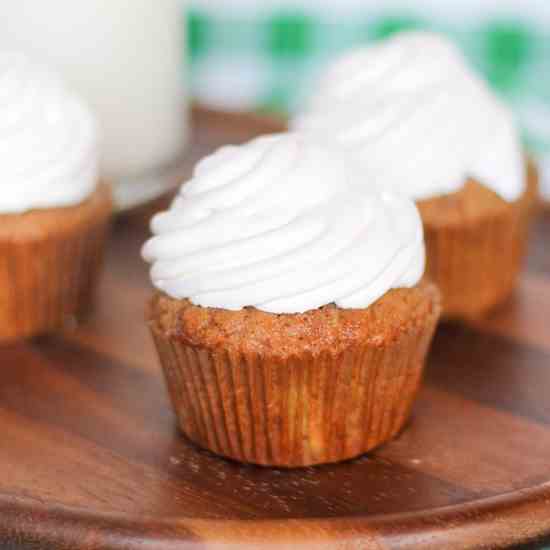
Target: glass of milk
(125,58)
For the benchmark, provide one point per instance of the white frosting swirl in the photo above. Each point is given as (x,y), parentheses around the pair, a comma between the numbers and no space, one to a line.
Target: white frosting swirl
(418,118)
(281,224)
(48,152)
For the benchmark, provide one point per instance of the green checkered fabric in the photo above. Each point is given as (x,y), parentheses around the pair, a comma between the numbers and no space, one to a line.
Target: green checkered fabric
(270,62)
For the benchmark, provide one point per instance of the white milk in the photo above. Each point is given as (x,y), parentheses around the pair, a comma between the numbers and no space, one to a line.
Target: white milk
(125,57)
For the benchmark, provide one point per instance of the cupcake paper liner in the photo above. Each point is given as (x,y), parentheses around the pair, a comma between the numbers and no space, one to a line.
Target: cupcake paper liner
(48,277)
(299,410)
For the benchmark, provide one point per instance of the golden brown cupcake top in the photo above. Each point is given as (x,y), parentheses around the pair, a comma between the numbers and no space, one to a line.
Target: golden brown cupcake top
(472,202)
(328,327)
(55,221)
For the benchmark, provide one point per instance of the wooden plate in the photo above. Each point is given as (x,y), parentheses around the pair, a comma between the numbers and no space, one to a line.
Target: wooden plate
(91,458)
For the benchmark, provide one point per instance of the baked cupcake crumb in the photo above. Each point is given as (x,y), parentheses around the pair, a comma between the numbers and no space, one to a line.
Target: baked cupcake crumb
(328,327)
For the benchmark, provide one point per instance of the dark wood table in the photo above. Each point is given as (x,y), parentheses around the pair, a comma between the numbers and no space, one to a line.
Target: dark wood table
(91,457)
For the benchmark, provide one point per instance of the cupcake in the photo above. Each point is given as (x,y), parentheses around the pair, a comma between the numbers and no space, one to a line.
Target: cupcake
(53,212)
(289,316)
(422,124)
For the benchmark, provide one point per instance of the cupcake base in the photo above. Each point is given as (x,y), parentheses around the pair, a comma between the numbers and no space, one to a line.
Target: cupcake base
(342,383)
(475,246)
(49,265)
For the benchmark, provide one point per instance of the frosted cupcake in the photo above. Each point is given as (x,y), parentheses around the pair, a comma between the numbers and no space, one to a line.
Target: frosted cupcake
(424,125)
(289,315)
(53,212)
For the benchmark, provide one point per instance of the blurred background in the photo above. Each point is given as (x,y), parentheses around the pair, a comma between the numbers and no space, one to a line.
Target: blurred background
(264,56)
(137,61)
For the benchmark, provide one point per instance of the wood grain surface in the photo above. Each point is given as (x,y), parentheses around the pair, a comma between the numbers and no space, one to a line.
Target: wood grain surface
(91,457)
